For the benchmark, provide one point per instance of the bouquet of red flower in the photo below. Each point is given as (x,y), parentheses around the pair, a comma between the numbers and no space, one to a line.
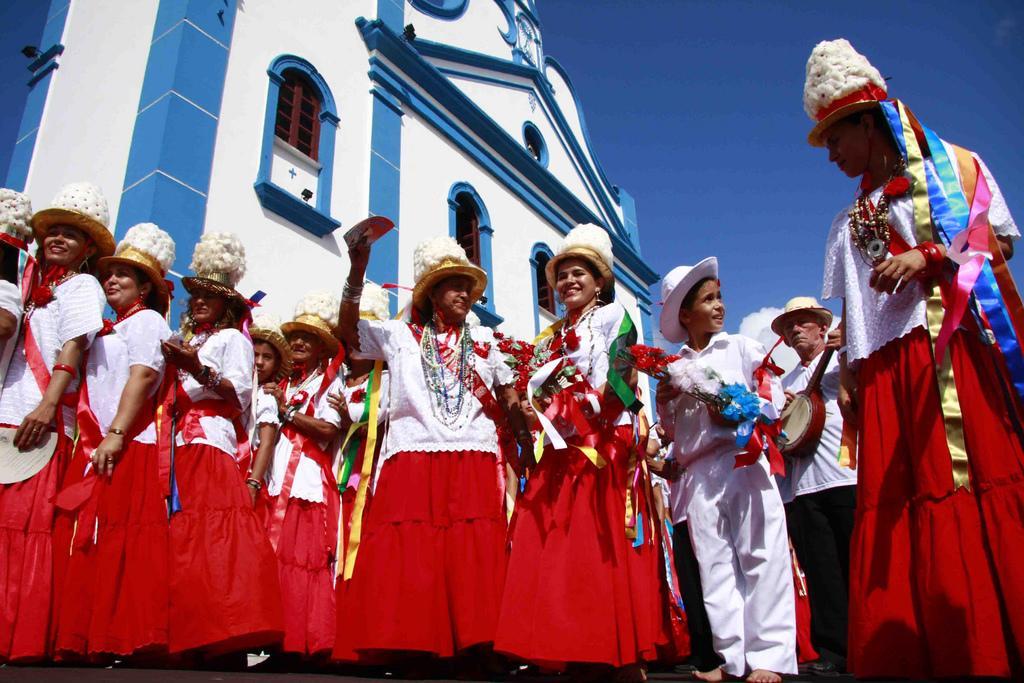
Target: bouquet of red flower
(520,356)
(649,360)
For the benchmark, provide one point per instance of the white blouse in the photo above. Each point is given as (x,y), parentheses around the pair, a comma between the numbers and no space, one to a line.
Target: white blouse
(10,301)
(76,310)
(695,435)
(874,318)
(308,482)
(413,425)
(596,332)
(228,352)
(134,341)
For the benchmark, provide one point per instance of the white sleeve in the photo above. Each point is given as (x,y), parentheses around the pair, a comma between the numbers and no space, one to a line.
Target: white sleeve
(10,298)
(500,370)
(236,364)
(81,303)
(143,333)
(998,212)
(833,285)
(323,410)
(375,338)
(266,409)
(753,355)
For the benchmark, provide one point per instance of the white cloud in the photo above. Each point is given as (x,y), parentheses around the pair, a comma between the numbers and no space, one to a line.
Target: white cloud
(758,325)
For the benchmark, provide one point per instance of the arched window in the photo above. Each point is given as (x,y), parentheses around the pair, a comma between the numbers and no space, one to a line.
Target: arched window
(467,226)
(298,114)
(470,225)
(545,295)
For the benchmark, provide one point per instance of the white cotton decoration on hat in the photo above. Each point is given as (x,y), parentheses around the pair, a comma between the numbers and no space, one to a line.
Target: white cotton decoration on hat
(15,214)
(834,71)
(374,303)
(431,253)
(593,237)
(149,239)
(267,321)
(319,304)
(219,256)
(85,199)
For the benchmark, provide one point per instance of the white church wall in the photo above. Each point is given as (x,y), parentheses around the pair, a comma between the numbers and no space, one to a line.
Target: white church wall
(286,260)
(89,116)
(478,29)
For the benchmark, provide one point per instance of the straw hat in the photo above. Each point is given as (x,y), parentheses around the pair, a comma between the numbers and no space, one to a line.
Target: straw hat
(82,206)
(150,250)
(840,82)
(799,304)
(438,259)
(316,313)
(15,218)
(218,263)
(267,328)
(590,243)
(374,303)
(674,288)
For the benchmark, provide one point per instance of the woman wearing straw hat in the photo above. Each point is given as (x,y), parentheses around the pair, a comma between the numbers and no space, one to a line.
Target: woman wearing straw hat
(115,592)
(426,565)
(304,507)
(273,361)
(224,590)
(62,314)
(931,384)
(364,380)
(586,585)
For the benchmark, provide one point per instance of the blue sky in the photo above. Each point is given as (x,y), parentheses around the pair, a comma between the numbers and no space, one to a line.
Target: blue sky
(695,108)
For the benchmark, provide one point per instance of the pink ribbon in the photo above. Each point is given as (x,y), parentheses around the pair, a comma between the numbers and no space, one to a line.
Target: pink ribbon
(968,250)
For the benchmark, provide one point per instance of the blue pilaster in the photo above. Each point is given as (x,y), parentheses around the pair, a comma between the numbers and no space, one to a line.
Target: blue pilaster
(171,155)
(42,69)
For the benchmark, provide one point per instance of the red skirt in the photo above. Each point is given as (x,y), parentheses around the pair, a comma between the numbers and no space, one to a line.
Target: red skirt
(580,590)
(115,591)
(27,561)
(431,563)
(224,590)
(305,567)
(936,585)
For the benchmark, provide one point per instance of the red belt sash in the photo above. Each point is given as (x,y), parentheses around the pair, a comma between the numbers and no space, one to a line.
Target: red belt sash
(191,428)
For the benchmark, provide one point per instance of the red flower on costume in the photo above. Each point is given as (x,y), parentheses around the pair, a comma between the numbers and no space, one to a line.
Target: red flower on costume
(358,395)
(108,327)
(42,295)
(482,349)
(572,340)
(649,360)
(299,398)
(897,187)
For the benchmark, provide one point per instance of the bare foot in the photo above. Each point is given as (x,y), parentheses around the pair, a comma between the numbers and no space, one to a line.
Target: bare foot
(633,673)
(763,676)
(715,675)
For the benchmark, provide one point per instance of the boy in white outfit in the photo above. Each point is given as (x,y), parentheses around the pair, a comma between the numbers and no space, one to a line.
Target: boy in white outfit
(736,519)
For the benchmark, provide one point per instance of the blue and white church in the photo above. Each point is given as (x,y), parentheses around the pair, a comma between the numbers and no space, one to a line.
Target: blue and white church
(288,121)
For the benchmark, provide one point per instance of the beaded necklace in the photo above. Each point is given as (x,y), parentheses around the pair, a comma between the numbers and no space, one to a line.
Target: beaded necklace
(447,381)
(869,224)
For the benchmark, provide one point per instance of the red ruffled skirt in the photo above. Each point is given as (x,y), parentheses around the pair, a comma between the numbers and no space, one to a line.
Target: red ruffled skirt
(224,594)
(115,593)
(431,562)
(580,590)
(27,561)
(305,567)
(936,585)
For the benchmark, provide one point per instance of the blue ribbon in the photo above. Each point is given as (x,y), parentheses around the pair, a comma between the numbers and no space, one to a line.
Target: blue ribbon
(639,540)
(950,214)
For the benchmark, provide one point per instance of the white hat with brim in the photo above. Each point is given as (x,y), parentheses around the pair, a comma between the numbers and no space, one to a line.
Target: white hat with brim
(801,304)
(674,288)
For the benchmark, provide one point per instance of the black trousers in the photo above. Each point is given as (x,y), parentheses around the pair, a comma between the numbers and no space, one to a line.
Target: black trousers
(820,526)
(703,655)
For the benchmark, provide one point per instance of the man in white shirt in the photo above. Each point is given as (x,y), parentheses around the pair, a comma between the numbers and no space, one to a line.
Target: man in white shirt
(819,493)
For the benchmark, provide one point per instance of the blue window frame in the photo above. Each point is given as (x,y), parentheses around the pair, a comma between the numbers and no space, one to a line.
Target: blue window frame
(464,202)
(315,217)
(534,143)
(539,257)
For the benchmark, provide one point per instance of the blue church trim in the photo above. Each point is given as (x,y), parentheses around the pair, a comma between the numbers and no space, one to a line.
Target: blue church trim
(315,219)
(441,9)
(42,69)
(530,128)
(536,252)
(544,192)
(171,153)
(486,309)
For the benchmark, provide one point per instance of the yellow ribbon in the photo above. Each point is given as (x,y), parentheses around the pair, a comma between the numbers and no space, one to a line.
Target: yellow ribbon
(356,533)
(952,417)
